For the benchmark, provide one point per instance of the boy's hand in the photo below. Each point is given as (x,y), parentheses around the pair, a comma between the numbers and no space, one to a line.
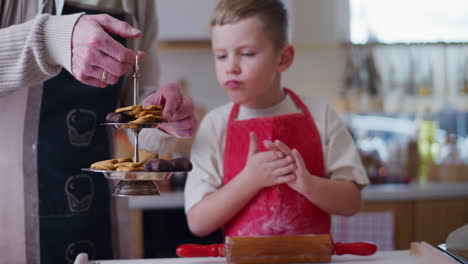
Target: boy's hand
(303,180)
(264,169)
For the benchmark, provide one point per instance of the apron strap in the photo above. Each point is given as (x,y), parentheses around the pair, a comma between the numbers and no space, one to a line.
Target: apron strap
(295,98)
(299,103)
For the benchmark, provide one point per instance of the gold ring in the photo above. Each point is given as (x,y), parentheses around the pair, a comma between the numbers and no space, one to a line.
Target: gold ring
(104,76)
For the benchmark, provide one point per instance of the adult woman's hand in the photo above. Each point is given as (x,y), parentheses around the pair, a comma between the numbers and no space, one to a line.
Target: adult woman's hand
(97,58)
(179,110)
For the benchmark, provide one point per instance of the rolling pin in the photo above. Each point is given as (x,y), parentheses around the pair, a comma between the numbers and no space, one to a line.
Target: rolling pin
(277,249)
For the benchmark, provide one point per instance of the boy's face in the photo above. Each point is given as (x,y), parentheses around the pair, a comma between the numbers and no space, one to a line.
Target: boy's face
(246,63)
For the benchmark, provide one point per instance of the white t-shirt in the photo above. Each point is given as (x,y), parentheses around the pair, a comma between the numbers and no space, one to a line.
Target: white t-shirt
(341,157)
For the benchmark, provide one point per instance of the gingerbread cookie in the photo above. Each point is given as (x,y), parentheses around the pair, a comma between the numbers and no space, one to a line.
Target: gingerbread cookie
(125,164)
(127,108)
(136,114)
(130,169)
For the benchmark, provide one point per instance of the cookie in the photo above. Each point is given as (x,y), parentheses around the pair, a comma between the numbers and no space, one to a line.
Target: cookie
(127,108)
(153,117)
(145,155)
(103,165)
(141,120)
(107,161)
(130,169)
(136,114)
(148,119)
(110,161)
(127,164)
(148,112)
(135,111)
(124,160)
(153,107)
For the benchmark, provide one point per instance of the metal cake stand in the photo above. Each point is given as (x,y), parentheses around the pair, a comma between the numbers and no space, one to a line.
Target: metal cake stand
(134,183)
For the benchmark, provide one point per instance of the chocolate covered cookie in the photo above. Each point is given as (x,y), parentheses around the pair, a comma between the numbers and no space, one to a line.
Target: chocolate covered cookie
(158,165)
(181,164)
(114,117)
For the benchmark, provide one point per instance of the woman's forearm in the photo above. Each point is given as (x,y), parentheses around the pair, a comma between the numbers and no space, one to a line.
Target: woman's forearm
(35,51)
(219,207)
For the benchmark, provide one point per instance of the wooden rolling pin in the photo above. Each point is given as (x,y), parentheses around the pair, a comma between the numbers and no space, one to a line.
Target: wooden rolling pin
(277,249)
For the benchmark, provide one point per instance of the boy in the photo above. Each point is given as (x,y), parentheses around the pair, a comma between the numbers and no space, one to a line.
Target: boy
(307,166)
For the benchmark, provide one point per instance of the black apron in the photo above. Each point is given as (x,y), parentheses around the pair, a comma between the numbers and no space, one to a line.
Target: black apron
(74,206)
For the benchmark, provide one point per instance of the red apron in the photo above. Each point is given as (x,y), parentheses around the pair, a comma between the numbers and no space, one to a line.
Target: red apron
(276,210)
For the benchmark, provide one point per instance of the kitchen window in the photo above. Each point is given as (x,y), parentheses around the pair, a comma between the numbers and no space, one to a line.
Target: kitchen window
(403,21)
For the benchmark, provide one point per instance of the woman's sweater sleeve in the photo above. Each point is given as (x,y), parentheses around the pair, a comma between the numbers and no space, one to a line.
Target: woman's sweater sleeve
(32,52)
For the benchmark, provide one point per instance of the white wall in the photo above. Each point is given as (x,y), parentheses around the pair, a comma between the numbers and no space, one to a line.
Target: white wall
(317,72)
(197,67)
(320,21)
(319,27)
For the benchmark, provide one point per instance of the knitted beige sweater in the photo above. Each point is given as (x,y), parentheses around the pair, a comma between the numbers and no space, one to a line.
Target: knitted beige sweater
(35,51)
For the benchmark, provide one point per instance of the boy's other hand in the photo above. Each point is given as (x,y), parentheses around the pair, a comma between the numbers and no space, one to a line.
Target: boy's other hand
(179,110)
(303,179)
(268,168)
(279,146)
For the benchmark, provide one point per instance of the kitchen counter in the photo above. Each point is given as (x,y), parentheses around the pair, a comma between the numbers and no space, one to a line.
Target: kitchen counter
(384,192)
(396,192)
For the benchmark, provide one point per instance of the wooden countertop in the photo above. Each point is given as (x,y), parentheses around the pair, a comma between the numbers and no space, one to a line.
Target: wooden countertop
(384,192)
(415,191)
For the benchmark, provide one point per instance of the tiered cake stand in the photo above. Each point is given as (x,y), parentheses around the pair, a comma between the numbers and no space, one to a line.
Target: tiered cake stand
(134,183)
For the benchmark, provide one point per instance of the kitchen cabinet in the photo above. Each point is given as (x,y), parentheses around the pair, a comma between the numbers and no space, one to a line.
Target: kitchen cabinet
(165,230)
(435,219)
(403,219)
(423,220)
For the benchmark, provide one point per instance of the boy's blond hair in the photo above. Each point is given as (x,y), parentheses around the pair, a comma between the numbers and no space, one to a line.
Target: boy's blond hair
(271,13)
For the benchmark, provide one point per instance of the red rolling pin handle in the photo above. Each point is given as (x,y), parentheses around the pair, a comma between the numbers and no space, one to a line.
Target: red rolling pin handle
(193,250)
(361,248)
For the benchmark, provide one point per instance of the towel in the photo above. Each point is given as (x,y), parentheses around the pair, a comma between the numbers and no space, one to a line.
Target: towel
(457,241)
(81,258)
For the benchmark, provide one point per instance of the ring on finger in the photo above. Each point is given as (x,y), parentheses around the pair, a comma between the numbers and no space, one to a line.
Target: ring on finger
(104,76)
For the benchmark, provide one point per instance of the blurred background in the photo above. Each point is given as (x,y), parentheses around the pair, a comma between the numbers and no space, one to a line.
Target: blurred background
(396,71)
